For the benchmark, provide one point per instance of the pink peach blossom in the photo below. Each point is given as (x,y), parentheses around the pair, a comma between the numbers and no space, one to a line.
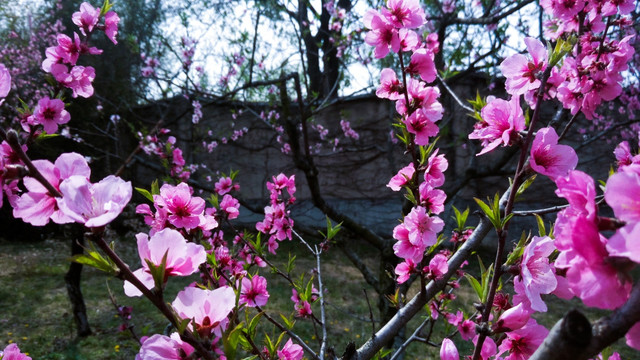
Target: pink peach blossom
(290,351)
(254,291)
(448,350)
(548,157)
(207,308)
(160,347)
(181,258)
(401,178)
(94,205)
(523,75)
(87,18)
(502,120)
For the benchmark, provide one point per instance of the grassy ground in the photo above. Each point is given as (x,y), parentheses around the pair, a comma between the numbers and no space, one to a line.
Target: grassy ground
(35,312)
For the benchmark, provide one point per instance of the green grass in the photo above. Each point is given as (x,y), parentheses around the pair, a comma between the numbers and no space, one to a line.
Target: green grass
(35,311)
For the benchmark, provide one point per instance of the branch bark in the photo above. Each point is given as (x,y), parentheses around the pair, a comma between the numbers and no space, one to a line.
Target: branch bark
(573,337)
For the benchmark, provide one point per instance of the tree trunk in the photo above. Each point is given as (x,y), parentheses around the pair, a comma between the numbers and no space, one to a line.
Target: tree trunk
(72,281)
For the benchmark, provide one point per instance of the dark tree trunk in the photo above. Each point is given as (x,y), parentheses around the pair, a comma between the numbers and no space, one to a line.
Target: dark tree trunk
(72,281)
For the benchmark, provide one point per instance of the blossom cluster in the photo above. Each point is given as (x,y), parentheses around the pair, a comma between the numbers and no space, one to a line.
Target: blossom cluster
(61,61)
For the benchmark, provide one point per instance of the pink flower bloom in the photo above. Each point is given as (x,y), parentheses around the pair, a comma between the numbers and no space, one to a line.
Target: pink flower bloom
(536,275)
(513,318)
(94,205)
(523,74)
(290,351)
(401,178)
(467,329)
(79,79)
(502,122)
(224,185)
(563,9)
(230,206)
(50,113)
(87,18)
(633,336)
(182,258)
(254,291)
(423,65)
(404,13)
(489,348)
(207,308)
(421,126)
(619,194)
(68,49)
(438,266)
(12,352)
(111,21)
(404,270)
(549,158)
(522,343)
(5,82)
(37,205)
(423,230)
(448,350)
(183,209)
(404,248)
(436,166)
(390,87)
(382,35)
(432,199)
(160,347)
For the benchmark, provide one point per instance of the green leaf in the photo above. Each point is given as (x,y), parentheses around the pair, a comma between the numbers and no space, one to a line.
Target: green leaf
(486,276)
(155,189)
(95,260)
(475,284)
(182,325)
(525,185)
(291,263)
(145,193)
(288,323)
(460,218)
(232,339)
(541,228)
(253,324)
(517,252)
(106,6)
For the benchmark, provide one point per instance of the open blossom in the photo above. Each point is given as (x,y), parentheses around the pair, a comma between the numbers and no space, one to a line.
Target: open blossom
(183,210)
(548,157)
(5,82)
(404,270)
(436,166)
(181,258)
(382,35)
(404,13)
(87,18)
(37,206)
(290,351)
(225,185)
(422,228)
(254,291)
(620,194)
(423,65)
(12,352)
(402,177)
(523,75)
(111,20)
(536,275)
(390,87)
(207,308)
(438,267)
(50,113)
(522,343)
(562,9)
(160,347)
(94,205)
(502,120)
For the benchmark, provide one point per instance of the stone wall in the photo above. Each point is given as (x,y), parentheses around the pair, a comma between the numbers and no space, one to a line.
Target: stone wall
(354,177)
